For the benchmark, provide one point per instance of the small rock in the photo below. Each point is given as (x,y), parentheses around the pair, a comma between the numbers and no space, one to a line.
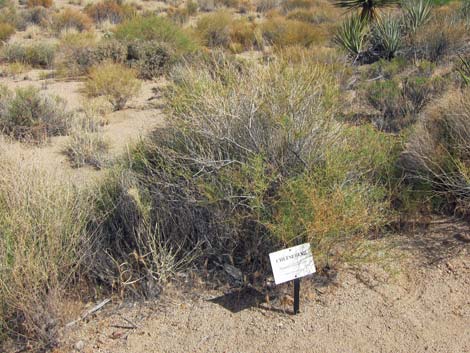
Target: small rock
(79,345)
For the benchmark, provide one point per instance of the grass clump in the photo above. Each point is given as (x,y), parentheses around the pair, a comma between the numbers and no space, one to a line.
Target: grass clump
(29,115)
(43,243)
(116,82)
(86,147)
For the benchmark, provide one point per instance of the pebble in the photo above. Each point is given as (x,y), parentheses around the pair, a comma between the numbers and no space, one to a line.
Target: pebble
(79,345)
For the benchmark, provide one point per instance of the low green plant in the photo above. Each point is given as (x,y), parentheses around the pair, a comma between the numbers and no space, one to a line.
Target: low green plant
(116,82)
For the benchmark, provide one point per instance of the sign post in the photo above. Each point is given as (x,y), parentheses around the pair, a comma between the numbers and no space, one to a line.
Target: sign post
(292,264)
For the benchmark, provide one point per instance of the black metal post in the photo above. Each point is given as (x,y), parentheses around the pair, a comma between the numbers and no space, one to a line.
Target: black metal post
(296,295)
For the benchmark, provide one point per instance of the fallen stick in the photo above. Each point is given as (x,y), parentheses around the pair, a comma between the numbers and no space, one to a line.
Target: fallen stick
(89,312)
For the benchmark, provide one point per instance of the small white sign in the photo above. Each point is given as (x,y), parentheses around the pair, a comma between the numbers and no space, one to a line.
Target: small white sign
(292,263)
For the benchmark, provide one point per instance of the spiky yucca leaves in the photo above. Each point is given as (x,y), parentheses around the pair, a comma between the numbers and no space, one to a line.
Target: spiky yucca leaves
(351,34)
(416,13)
(368,8)
(386,36)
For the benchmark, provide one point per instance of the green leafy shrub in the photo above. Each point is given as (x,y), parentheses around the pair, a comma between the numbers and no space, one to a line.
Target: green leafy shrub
(36,55)
(29,115)
(116,82)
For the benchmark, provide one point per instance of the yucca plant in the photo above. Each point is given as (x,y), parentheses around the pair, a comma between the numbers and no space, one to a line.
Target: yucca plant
(368,8)
(416,13)
(351,34)
(386,36)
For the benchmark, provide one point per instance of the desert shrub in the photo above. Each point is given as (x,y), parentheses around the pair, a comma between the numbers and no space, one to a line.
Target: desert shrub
(289,5)
(400,102)
(281,32)
(387,69)
(113,11)
(116,82)
(36,55)
(436,158)
(42,3)
(351,34)
(440,37)
(266,5)
(71,19)
(86,147)
(6,31)
(35,16)
(224,149)
(155,28)
(310,16)
(150,58)
(219,29)
(30,115)
(214,29)
(76,53)
(43,242)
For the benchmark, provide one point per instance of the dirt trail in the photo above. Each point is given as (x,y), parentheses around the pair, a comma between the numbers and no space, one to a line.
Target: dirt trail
(423,308)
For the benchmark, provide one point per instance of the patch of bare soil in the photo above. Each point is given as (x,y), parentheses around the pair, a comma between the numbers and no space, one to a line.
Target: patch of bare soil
(425,307)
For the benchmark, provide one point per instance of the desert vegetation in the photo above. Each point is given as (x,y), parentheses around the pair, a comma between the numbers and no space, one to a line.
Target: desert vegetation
(328,122)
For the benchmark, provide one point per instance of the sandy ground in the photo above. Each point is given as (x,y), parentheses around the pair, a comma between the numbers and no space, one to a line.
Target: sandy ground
(425,307)
(122,129)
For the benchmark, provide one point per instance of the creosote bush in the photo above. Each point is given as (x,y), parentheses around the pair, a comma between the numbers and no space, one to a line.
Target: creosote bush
(116,82)
(242,144)
(27,114)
